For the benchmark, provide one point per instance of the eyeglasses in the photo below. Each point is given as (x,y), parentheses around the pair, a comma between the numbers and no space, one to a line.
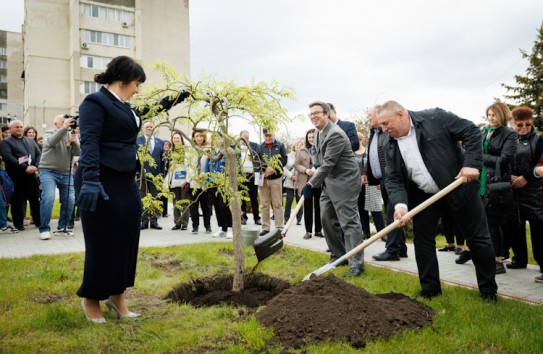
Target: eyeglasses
(521,125)
(314,113)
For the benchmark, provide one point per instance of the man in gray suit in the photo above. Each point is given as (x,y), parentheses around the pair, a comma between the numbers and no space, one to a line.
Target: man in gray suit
(339,176)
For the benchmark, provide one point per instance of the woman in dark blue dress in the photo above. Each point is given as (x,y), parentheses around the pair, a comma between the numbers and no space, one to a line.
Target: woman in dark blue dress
(109,199)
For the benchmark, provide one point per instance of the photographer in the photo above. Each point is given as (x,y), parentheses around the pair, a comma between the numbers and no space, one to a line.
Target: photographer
(59,147)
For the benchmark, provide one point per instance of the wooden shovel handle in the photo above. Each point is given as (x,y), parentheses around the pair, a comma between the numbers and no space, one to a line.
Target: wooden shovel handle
(409,215)
(292,215)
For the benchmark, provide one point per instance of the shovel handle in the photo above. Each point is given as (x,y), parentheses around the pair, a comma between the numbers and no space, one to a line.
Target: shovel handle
(292,216)
(409,215)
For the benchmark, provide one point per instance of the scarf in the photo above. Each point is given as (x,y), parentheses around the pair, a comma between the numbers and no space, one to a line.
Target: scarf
(482,178)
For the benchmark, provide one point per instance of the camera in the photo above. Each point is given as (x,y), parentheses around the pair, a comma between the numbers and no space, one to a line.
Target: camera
(75,118)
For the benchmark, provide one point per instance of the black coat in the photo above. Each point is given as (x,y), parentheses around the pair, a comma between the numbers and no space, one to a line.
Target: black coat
(501,149)
(438,133)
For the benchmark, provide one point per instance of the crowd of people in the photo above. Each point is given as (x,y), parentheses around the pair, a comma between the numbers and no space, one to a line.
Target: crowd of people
(409,157)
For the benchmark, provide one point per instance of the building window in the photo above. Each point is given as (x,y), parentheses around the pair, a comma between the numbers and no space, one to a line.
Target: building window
(4,93)
(3,78)
(3,106)
(106,13)
(93,62)
(87,87)
(3,51)
(114,39)
(3,64)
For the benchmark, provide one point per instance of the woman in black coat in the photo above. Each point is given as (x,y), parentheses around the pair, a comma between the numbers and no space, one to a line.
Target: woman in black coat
(109,199)
(499,146)
(526,191)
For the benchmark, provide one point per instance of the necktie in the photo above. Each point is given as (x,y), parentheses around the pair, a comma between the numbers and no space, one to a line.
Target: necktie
(151,144)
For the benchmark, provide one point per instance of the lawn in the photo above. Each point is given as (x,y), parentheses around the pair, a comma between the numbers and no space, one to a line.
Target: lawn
(40,312)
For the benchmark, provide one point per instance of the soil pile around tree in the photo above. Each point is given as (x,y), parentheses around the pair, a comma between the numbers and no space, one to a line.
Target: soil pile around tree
(312,311)
(330,308)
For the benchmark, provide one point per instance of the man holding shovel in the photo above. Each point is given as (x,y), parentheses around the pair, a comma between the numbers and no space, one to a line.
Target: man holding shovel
(423,157)
(339,176)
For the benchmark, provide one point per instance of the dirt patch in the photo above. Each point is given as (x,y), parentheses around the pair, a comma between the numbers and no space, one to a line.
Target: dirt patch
(330,308)
(259,289)
(48,298)
(312,311)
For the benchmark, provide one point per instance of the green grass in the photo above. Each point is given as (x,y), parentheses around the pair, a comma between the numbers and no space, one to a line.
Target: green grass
(39,311)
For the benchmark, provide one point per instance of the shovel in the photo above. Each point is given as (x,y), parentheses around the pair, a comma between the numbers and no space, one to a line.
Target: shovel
(272,242)
(387,229)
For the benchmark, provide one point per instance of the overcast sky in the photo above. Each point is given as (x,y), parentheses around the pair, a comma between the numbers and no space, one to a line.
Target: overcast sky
(451,54)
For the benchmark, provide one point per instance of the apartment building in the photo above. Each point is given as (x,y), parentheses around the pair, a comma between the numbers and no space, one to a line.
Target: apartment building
(11,67)
(67,42)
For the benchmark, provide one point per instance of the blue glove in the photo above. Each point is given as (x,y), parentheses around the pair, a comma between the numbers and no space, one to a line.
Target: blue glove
(88,196)
(307,191)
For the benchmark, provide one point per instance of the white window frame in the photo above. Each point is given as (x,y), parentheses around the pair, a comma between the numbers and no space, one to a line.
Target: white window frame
(88,87)
(106,13)
(107,38)
(94,62)
(3,64)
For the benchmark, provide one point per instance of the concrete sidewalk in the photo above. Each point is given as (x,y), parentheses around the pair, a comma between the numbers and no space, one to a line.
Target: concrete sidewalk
(518,284)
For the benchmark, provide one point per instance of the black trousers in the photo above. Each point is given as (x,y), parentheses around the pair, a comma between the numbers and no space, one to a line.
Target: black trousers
(471,219)
(291,195)
(26,188)
(253,196)
(201,198)
(312,208)
(396,239)
(222,210)
(147,186)
(517,231)
(450,229)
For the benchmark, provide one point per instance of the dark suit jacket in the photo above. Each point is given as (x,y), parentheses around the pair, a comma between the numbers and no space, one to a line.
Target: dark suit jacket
(156,154)
(108,134)
(350,129)
(13,148)
(438,133)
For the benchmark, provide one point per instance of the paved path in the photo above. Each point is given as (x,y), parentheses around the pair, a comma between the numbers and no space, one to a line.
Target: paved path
(517,284)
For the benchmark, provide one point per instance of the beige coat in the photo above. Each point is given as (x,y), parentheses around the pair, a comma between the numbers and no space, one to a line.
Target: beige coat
(302,163)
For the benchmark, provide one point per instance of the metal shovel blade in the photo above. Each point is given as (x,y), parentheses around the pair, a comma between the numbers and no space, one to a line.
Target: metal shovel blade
(268,244)
(325,268)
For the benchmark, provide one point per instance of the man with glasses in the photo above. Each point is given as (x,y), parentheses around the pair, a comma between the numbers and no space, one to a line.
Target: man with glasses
(22,157)
(339,176)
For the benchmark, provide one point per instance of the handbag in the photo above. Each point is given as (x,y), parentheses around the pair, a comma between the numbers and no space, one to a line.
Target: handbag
(499,196)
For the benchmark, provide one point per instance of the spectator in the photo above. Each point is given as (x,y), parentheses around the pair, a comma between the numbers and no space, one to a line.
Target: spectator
(374,175)
(3,208)
(215,167)
(290,175)
(337,169)
(5,132)
(199,196)
(155,148)
(32,133)
(499,146)
(270,186)
(61,144)
(348,127)
(248,156)
(166,161)
(179,185)
(21,157)
(304,165)
(526,191)
(425,173)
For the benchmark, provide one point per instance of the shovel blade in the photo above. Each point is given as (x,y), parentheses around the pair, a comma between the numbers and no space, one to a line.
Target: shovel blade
(268,244)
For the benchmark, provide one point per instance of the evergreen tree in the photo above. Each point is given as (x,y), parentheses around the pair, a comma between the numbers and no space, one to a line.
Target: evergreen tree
(529,88)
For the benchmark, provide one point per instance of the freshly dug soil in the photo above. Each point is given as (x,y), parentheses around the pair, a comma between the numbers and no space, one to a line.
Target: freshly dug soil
(330,308)
(321,308)
(258,290)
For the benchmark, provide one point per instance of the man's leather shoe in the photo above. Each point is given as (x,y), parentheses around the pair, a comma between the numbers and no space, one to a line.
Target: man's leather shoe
(463,257)
(429,294)
(353,272)
(258,222)
(446,249)
(263,232)
(500,269)
(319,234)
(243,222)
(515,265)
(183,227)
(490,297)
(144,226)
(176,227)
(156,227)
(385,256)
(403,255)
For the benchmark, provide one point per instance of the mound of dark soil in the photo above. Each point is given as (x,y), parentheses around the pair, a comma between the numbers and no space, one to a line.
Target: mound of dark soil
(258,290)
(330,308)
(312,311)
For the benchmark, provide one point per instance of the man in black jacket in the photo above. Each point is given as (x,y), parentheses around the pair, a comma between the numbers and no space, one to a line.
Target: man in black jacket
(374,174)
(22,157)
(423,157)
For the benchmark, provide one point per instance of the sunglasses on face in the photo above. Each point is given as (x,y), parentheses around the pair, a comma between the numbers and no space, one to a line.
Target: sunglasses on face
(522,125)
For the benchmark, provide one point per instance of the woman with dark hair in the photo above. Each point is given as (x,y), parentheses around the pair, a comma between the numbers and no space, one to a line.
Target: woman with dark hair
(304,166)
(32,133)
(499,146)
(526,191)
(109,199)
(166,161)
